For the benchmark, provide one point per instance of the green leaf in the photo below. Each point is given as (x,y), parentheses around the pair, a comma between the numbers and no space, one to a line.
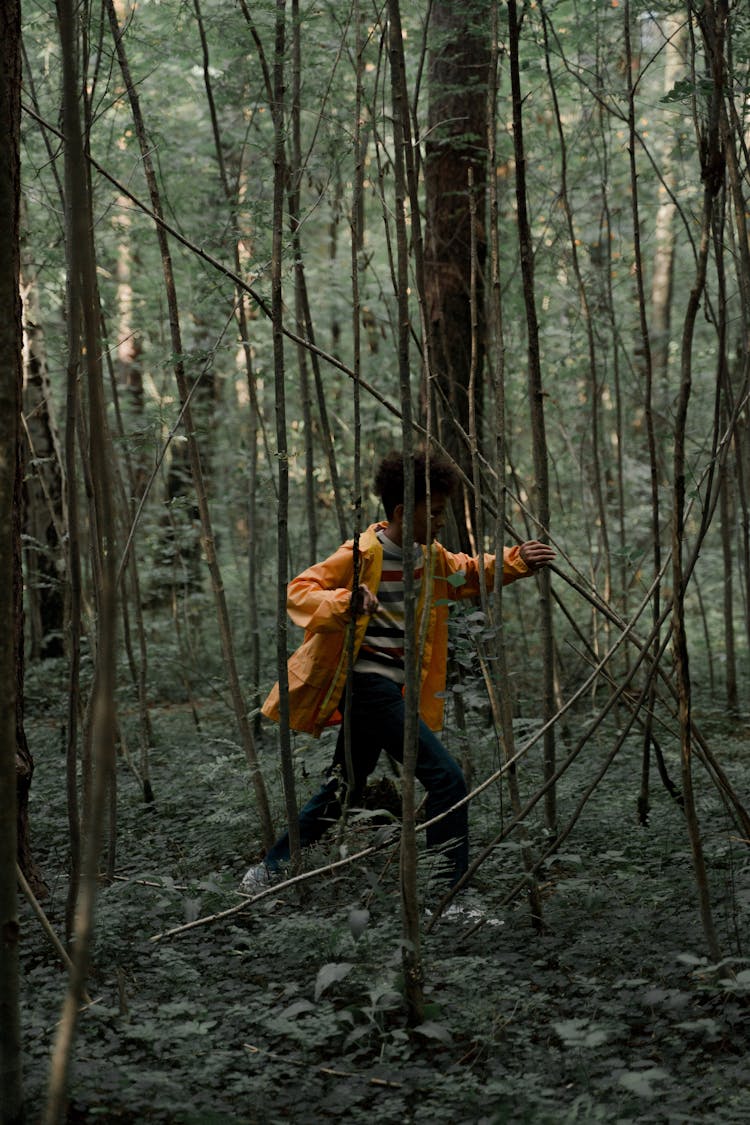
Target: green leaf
(640,1082)
(298,1008)
(457,579)
(432,1030)
(358,920)
(329,974)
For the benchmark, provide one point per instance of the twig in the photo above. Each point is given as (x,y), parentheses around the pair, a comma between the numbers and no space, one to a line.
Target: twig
(250,900)
(327,1070)
(46,925)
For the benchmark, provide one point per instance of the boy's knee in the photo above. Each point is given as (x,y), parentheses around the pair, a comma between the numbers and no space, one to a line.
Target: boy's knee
(455,782)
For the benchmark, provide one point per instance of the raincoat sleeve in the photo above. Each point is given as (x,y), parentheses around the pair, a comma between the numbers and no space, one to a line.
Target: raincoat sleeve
(319,599)
(513,567)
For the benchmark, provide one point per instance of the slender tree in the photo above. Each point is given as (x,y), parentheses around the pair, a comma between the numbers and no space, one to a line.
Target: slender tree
(712,19)
(498,679)
(455,148)
(536,402)
(43,515)
(282,451)
(208,539)
(11,1086)
(84,296)
(412,960)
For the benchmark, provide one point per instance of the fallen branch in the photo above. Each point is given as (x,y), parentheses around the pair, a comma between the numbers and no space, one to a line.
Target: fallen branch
(327,1070)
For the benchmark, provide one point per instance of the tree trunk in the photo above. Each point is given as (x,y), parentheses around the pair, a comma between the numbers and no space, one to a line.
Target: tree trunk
(129,347)
(455,149)
(662,276)
(193,451)
(536,406)
(97,455)
(43,510)
(497,674)
(712,25)
(282,540)
(411,955)
(11,686)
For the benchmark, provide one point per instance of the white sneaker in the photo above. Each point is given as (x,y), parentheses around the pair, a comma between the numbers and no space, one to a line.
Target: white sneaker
(461,912)
(255,879)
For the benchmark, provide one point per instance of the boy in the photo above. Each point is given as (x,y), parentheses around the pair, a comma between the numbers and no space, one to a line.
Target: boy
(321,601)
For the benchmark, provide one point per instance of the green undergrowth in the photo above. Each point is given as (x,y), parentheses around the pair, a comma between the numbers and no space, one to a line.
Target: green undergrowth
(292,1009)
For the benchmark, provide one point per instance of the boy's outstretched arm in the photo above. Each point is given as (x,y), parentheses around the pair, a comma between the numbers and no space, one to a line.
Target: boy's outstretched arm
(536,554)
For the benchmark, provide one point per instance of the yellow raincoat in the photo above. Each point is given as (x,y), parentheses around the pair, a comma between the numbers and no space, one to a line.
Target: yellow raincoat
(319,599)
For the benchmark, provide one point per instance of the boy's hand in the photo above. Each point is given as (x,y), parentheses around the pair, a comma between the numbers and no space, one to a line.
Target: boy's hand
(364,601)
(536,554)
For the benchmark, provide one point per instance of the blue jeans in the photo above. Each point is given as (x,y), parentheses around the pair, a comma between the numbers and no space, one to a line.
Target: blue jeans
(377,723)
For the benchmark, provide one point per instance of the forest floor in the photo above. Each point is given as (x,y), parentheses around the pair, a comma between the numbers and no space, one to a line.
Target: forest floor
(291,1009)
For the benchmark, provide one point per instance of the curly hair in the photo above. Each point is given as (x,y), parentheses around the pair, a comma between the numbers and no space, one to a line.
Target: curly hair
(389,479)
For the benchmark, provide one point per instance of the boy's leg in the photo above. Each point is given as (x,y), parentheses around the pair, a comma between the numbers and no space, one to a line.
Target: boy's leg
(324,807)
(444,781)
(378,712)
(315,818)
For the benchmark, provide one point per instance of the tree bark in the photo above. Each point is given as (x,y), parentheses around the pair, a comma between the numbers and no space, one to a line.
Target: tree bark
(536,406)
(196,472)
(455,148)
(282,535)
(11,685)
(43,508)
(411,955)
(712,21)
(84,296)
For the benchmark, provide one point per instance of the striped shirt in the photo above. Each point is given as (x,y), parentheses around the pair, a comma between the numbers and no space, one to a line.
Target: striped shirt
(382,650)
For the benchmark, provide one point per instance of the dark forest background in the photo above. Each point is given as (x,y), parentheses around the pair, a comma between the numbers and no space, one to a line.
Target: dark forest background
(246,251)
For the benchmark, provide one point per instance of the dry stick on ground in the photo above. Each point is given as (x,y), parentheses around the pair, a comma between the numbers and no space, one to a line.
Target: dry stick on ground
(208,543)
(276,888)
(326,1070)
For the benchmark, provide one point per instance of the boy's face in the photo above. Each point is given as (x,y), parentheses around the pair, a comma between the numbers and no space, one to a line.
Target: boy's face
(438,510)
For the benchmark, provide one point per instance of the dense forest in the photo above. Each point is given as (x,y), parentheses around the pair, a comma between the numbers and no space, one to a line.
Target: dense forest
(247,250)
